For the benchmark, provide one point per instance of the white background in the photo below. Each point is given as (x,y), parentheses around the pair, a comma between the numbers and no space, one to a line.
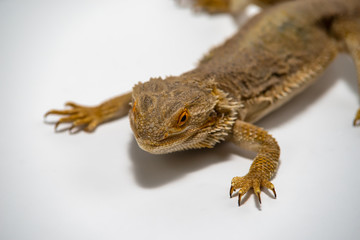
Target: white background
(102,186)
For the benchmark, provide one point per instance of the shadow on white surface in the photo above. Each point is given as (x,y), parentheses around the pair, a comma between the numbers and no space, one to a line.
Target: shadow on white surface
(153,171)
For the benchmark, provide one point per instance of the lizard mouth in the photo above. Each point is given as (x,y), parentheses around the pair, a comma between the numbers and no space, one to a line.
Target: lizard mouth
(167,145)
(173,143)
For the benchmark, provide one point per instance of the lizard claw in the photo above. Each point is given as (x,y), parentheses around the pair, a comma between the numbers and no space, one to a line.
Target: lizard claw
(273,189)
(259,198)
(250,181)
(357,119)
(232,189)
(239,200)
(73,105)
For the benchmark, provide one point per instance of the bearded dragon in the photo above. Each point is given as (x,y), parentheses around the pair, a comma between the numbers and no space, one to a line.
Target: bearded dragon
(273,57)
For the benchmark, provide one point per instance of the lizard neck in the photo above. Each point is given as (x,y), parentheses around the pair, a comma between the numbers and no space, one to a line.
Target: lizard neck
(226,111)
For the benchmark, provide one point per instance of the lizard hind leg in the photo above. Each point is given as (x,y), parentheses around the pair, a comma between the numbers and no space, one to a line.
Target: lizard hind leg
(228,6)
(217,6)
(348,30)
(213,6)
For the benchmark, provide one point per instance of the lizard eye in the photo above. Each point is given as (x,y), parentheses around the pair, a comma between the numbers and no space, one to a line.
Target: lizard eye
(134,107)
(184,116)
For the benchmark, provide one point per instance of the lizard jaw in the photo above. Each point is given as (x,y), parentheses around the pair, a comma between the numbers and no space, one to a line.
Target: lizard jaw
(168,145)
(192,140)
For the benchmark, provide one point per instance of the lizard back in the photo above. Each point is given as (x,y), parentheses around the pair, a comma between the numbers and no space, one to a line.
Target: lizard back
(276,54)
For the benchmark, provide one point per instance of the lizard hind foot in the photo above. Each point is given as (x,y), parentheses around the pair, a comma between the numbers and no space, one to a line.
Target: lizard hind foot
(244,184)
(209,6)
(80,118)
(357,119)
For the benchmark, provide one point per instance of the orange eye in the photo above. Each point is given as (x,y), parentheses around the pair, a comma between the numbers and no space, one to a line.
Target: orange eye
(134,107)
(184,116)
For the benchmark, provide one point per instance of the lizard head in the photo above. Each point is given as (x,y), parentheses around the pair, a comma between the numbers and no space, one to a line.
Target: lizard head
(172,115)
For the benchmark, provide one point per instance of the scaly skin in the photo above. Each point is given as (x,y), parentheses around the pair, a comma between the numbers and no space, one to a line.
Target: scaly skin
(275,56)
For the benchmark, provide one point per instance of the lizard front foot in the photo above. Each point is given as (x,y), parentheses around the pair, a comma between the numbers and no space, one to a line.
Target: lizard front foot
(357,119)
(255,181)
(80,117)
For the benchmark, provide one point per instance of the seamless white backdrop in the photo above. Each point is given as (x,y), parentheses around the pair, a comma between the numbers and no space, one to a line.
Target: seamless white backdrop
(102,186)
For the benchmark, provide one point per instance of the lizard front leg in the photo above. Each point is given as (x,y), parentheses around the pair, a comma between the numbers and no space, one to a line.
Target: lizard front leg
(88,118)
(265,163)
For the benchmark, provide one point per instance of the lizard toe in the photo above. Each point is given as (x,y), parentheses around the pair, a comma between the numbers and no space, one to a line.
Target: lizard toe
(79,118)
